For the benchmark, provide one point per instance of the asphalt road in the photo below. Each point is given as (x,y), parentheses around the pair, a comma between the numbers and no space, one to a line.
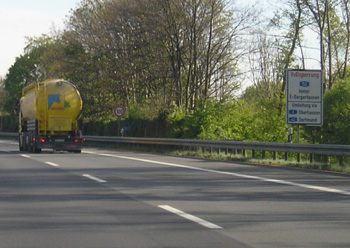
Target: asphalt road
(106,198)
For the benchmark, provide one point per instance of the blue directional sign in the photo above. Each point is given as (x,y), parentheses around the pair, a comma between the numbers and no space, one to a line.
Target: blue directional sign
(293,119)
(293,112)
(304,84)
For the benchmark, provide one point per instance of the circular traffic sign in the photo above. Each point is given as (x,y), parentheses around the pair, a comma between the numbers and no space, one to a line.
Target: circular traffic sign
(119,111)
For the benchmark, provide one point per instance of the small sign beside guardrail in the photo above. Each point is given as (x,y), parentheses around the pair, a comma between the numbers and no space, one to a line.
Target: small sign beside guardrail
(119,111)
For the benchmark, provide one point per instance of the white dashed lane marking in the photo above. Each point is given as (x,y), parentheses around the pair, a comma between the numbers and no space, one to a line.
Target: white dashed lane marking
(94,178)
(190,217)
(264,179)
(52,164)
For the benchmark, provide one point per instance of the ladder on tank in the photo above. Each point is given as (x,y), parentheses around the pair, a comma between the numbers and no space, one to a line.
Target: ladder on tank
(42,108)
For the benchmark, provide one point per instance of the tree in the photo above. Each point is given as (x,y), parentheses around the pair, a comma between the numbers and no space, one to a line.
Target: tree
(28,68)
(203,42)
(335,129)
(339,22)
(319,16)
(183,50)
(346,17)
(2,96)
(293,37)
(273,50)
(266,62)
(325,16)
(115,35)
(267,120)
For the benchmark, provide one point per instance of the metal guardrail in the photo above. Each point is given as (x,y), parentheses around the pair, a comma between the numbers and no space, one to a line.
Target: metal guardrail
(329,150)
(4,134)
(242,146)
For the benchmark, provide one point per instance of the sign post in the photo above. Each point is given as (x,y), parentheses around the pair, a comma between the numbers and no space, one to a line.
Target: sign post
(119,112)
(304,97)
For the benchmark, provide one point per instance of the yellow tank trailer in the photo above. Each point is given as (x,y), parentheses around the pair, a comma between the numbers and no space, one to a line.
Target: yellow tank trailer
(49,116)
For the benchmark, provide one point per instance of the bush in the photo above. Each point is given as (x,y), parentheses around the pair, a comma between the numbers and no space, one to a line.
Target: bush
(336,106)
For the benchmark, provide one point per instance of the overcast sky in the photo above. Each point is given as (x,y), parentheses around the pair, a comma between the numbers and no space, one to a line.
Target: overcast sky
(21,18)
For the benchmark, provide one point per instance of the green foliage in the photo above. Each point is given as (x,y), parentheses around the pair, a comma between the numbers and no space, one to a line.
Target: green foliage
(219,121)
(2,97)
(173,64)
(264,114)
(235,120)
(28,68)
(176,120)
(335,129)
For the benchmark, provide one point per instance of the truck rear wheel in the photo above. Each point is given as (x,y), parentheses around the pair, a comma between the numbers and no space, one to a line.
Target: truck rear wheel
(20,142)
(34,146)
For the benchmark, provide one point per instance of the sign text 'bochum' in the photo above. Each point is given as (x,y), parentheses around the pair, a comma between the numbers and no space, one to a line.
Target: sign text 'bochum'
(304,97)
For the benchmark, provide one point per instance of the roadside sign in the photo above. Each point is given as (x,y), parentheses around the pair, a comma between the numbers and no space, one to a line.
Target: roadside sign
(119,111)
(304,97)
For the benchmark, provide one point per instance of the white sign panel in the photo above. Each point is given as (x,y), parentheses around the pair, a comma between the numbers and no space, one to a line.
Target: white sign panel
(304,97)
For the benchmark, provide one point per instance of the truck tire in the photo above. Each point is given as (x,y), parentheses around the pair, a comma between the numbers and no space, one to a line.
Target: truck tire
(25,145)
(20,143)
(29,145)
(35,148)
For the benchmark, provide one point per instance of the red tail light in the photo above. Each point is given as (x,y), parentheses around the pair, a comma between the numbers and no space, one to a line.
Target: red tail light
(79,140)
(39,140)
(42,140)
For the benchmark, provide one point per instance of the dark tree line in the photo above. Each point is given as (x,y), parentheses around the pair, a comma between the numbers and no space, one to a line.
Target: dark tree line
(175,61)
(182,50)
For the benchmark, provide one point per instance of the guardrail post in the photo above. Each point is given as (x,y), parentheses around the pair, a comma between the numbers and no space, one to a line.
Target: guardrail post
(311,158)
(285,156)
(325,159)
(298,157)
(274,155)
(340,158)
(263,154)
(253,153)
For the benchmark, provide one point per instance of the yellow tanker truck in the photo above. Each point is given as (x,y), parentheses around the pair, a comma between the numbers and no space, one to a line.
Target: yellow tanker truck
(49,116)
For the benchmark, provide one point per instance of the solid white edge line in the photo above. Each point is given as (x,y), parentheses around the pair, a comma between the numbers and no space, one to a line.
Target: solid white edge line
(300,185)
(94,178)
(52,164)
(8,143)
(190,217)
(25,156)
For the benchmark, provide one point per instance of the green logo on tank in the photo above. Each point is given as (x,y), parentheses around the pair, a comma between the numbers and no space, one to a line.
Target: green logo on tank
(66,104)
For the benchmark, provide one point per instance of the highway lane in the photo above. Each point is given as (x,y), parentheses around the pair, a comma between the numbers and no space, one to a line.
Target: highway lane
(42,205)
(230,204)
